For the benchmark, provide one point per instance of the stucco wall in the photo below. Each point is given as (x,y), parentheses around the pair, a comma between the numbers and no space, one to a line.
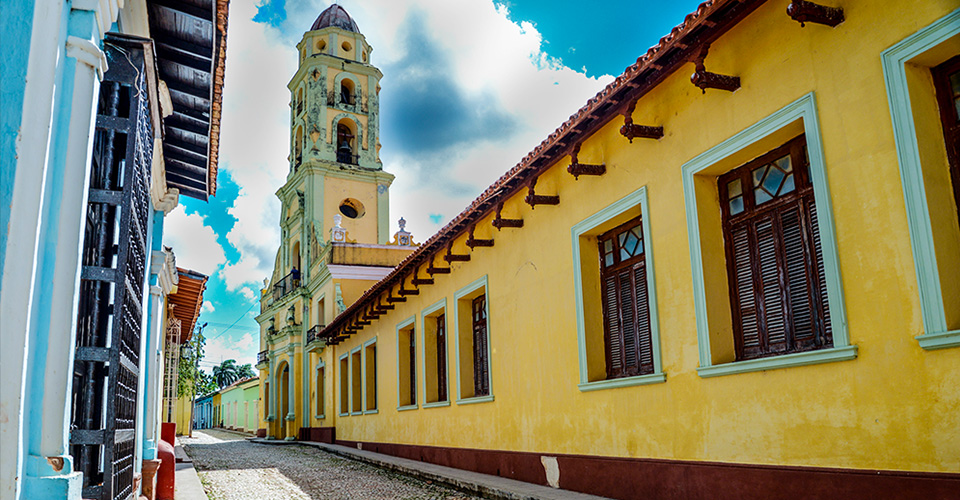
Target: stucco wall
(893,407)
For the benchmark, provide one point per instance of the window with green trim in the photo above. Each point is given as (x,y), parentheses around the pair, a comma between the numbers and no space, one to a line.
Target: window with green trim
(923,90)
(406,341)
(778,295)
(434,348)
(626,309)
(370,376)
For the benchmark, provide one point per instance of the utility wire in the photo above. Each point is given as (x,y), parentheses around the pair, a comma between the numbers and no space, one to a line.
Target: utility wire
(234,323)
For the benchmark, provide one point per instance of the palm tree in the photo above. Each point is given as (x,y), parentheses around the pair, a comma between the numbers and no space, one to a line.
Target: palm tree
(226,373)
(246,371)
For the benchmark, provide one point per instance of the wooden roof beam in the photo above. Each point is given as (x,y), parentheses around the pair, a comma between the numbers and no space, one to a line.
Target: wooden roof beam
(499,222)
(577,169)
(533,199)
(473,242)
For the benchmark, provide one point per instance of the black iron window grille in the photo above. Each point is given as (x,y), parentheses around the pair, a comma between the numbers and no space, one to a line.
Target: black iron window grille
(110,315)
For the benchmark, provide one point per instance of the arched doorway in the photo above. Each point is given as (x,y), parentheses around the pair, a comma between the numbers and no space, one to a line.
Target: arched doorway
(283,400)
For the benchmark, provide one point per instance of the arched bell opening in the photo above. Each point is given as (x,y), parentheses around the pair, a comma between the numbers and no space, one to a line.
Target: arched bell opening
(348,92)
(346,142)
(298,148)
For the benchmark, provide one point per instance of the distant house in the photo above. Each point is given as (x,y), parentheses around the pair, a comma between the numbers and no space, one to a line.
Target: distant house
(731,274)
(203,412)
(239,403)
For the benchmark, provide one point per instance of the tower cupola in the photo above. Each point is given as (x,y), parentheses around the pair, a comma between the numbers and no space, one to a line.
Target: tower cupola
(335,15)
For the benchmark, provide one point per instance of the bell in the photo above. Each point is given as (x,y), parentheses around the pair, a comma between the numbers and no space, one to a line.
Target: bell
(345,147)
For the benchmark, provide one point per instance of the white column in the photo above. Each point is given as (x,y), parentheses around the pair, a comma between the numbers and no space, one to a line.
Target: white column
(20,253)
(56,309)
(152,374)
(48,466)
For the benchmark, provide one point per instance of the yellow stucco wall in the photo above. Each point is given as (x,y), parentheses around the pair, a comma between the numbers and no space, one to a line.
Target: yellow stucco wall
(183,415)
(896,406)
(363,229)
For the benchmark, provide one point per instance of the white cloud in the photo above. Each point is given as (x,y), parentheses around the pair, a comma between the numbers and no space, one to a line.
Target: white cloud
(254,140)
(248,294)
(194,243)
(224,347)
(207,307)
(493,60)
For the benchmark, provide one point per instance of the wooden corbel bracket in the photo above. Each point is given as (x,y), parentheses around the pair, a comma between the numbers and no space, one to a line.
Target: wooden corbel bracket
(803,11)
(577,169)
(391,299)
(362,322)
(437,270)
(417,280)
(404,292)
(474,242)
(533,199)
(499,222)
(707,80)
(631,130)
(455,257)
(383,308)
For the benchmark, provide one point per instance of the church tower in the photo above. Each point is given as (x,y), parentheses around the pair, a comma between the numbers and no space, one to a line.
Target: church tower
(334,221)
(335,133)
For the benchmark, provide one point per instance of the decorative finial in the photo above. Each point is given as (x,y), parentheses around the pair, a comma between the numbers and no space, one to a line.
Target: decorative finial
(403,237)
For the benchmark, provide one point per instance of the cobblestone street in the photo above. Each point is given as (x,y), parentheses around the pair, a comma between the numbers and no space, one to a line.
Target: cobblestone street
(232,468)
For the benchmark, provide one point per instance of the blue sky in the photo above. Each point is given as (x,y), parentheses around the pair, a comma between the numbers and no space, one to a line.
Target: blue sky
(469,88)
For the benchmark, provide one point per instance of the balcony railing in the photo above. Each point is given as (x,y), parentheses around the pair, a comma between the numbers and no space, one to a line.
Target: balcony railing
(286,285)
(348,158)
(313,331)
(261,357)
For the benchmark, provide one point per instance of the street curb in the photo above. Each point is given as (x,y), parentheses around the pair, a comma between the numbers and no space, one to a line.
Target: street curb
(474,483)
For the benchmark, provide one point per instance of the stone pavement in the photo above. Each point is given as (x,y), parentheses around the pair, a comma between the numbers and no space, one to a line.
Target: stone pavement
(482,485)
(232,468)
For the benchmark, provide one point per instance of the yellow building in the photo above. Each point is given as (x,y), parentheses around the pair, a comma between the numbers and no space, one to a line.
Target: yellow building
(740,283)
(334,221)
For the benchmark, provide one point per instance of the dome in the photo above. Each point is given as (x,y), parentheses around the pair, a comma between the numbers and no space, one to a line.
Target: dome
(335,15)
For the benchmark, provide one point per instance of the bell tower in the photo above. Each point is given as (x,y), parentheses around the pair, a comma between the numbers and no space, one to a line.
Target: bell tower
(334,157)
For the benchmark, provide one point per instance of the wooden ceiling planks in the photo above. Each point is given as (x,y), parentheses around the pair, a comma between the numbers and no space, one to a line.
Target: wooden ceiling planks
(190,37)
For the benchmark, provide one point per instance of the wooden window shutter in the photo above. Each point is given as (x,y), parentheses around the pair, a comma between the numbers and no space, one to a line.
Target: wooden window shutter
(441,358)
(644,335)
(481,367)
(413,366)
(612,333)
(628,343)
(775,266)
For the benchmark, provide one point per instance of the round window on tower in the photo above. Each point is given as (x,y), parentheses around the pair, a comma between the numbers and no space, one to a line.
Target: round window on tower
(352,208)
(346,46)
(321,45)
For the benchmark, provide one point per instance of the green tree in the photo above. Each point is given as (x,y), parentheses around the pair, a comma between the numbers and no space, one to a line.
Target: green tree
(246,371)
(226,373)
(189,367)
(206,385)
